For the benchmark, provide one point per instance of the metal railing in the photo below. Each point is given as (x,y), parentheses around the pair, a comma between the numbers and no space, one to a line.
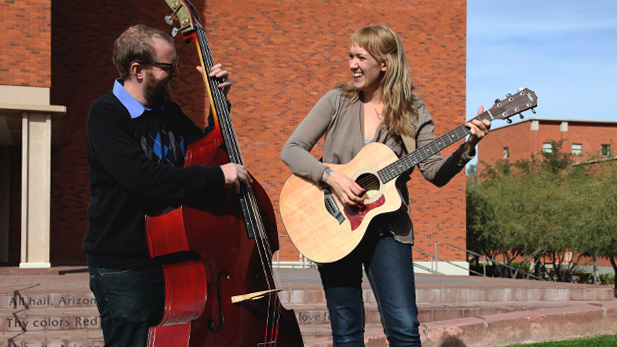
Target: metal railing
(304,262)
(420,266)
(516,270)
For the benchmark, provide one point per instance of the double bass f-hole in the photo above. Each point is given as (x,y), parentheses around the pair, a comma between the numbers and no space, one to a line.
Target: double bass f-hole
(225,275)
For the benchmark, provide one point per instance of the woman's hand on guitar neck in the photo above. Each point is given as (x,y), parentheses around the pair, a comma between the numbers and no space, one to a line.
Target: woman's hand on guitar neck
(478,129)
(346,190)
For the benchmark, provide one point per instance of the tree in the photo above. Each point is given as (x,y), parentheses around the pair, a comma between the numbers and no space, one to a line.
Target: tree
(524,209)
(595,226)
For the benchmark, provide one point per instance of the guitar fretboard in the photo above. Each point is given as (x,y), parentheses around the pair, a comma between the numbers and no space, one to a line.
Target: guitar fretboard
(412,159)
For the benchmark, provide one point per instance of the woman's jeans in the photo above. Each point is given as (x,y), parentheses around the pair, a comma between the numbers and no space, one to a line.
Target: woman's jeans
(389,268)
(129,302)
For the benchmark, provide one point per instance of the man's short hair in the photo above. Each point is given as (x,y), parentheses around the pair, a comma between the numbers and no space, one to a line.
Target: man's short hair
(135,44)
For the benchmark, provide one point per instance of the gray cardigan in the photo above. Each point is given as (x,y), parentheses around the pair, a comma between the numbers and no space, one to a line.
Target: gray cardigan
(342,123)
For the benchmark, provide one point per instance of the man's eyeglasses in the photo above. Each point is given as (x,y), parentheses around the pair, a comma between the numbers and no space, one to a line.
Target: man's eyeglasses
(172,66)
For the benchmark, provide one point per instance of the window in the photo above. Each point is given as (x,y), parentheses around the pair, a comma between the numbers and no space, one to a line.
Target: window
(577,149)
(605,150)
(506,152)
(547,147)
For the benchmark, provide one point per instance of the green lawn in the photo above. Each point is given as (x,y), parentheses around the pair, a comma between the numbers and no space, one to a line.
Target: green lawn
(595,341)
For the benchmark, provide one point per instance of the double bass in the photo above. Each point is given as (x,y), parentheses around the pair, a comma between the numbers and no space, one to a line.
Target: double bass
(223,291)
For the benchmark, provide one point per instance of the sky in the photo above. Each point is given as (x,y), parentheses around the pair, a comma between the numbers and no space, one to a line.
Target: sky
(565,51)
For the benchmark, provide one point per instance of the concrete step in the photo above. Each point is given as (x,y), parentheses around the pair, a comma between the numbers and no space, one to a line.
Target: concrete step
(509,291)
(316,315)
(52,339)
(86,318)
(35,320)
(505,293)
(48,300)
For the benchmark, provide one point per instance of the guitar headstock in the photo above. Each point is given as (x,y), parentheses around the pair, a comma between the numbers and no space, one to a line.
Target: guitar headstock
(514,104)
(185,13)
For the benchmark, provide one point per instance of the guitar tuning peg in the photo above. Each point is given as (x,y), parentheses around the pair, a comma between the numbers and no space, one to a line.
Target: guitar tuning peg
(508,120)
(508,95)
(521,116)
(533,110)
(520,89)
(497,100)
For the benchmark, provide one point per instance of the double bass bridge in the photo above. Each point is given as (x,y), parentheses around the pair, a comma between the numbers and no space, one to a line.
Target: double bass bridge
(254,296)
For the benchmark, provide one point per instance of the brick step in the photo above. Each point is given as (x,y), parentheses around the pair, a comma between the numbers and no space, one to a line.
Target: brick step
(310,332)
(312,318)
(86,318)
(317,314)
(512,294)
(53,339)
(95,338)
(313,294)
(72,291)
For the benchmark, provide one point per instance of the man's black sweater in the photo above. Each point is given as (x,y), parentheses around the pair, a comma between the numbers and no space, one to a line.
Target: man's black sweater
(135,168)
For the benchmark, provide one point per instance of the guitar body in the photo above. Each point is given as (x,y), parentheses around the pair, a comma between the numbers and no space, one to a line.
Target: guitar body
(305,210)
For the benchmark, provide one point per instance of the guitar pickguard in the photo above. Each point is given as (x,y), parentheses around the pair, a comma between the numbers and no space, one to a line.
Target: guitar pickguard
(356,214)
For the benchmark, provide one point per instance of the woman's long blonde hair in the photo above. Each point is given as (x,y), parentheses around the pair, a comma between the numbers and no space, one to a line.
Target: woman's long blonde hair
(399,112)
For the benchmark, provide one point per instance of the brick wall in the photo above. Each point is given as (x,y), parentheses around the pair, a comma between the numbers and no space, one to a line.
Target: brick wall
(25,58)
(282,56)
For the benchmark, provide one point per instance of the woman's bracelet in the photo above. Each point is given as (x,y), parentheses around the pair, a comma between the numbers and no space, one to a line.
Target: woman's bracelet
(326,175)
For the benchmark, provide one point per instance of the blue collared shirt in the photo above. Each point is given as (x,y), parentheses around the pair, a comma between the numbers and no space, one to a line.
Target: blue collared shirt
(134,107)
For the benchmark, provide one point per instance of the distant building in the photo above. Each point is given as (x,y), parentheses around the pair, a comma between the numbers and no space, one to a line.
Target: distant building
(521,139)
(584,139)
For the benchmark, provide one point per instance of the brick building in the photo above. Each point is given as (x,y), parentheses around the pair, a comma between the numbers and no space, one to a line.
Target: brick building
(282,56)
(519,140)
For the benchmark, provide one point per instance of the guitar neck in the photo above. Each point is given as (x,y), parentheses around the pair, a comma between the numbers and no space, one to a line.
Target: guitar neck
(412,159)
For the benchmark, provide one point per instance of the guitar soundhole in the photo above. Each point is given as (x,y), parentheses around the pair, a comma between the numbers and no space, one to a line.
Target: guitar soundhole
(370,183)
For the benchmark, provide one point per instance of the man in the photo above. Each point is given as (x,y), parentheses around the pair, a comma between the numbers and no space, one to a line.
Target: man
(136,142)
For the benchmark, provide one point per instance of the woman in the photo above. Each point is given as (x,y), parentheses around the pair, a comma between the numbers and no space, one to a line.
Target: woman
(377,107)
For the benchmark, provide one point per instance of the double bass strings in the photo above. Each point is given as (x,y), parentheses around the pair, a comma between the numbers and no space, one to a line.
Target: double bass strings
(248,200)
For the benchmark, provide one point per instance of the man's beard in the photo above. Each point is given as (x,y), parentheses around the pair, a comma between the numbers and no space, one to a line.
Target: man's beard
(157,91)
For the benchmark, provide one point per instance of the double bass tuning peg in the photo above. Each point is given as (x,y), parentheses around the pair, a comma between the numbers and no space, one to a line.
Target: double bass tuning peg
(170,18)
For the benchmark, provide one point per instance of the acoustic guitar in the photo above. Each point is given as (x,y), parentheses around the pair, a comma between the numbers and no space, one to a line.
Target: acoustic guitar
(324,230)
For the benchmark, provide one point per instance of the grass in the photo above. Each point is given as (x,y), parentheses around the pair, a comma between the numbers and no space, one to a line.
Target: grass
(594,341)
